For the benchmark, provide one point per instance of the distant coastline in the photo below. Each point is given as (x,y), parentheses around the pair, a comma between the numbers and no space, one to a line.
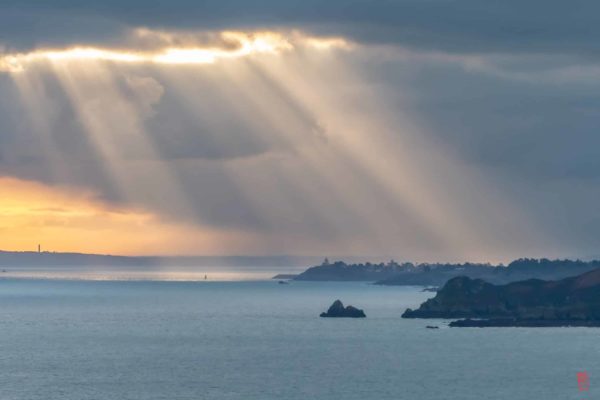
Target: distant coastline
(48,259)
(409,274)
(390,273)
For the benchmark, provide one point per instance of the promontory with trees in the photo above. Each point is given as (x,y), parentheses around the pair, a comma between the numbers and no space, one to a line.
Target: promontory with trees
(437,274)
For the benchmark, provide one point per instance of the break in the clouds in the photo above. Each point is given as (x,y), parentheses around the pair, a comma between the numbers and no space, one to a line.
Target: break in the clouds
(421,129)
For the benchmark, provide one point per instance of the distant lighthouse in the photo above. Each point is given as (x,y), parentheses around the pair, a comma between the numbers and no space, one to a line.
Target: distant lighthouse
(39,248)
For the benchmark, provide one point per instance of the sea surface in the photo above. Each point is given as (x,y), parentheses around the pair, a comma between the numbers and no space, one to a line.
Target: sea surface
(97,337)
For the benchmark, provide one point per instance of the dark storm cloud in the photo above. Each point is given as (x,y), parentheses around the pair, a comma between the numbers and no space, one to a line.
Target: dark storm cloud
(456,26)
(28,27)
(542,130)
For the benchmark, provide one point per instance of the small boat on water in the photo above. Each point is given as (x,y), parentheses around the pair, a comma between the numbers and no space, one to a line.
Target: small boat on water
(283,283)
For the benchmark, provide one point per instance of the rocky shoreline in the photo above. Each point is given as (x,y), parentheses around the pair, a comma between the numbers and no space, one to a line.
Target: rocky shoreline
(531,303)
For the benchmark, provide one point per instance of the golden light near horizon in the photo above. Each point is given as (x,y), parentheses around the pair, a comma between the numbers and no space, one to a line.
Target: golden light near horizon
(64,219)
(229,45)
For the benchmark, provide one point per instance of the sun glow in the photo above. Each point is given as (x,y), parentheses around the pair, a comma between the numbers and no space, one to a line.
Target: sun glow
(230,45)
(64,219)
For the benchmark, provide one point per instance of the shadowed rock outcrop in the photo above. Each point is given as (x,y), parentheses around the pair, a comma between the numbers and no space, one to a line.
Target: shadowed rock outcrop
(568,302)
(337,310)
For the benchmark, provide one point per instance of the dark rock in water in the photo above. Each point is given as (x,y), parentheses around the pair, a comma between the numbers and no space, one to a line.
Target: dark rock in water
(283,283)
(568,302)
(337,310)
(432,327)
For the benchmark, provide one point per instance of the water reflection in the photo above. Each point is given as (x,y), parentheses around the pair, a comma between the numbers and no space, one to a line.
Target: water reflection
(181,274)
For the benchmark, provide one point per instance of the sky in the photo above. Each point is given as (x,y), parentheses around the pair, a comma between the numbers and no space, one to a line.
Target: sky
(426,130)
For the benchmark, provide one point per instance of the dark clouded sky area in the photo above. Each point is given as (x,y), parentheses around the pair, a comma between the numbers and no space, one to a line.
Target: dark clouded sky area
(426,130)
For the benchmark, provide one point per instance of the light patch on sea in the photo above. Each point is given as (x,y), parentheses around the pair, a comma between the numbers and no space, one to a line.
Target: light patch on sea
(170,273)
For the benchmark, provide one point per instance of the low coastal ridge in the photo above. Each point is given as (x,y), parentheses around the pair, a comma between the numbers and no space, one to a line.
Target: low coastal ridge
(427,274)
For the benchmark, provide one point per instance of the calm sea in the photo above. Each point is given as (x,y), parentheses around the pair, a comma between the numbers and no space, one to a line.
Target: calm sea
(106,339)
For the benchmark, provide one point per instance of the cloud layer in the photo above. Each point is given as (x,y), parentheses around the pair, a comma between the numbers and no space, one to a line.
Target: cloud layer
(450,130)
(456,26)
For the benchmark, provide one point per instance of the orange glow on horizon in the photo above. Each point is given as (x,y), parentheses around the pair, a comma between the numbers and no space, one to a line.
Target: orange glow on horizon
(64,220)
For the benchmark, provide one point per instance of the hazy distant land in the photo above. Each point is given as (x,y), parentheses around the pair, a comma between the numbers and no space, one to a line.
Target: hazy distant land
(390,273)
(49,259)
(393,273)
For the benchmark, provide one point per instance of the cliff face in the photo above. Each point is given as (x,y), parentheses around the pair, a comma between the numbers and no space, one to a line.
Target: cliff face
(570,299)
